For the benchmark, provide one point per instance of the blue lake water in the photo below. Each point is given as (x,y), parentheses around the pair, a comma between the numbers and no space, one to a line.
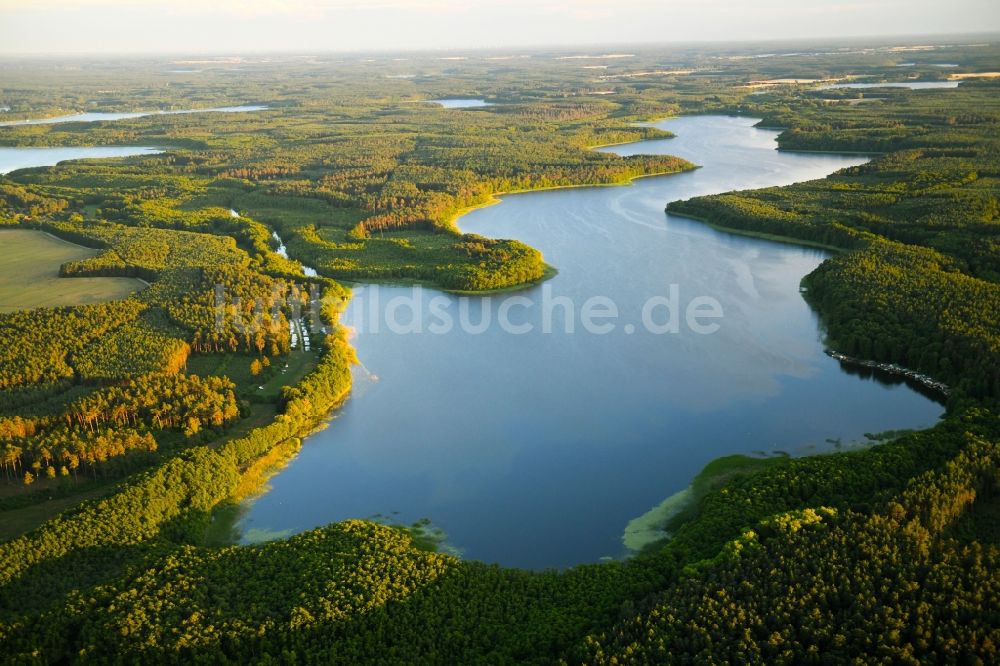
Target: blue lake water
(97,116)
(535,448)
(23,158)
(460,103)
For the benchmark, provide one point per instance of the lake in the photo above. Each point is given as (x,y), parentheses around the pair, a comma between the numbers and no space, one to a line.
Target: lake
(460,103)
(97,116)
(12,159)
(535,448)
(912,85)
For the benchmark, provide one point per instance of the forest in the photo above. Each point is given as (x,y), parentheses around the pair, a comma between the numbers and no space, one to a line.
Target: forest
(128,428)
(920,286)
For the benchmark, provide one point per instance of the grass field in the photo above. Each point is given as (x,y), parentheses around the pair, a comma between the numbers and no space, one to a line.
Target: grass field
(29,273)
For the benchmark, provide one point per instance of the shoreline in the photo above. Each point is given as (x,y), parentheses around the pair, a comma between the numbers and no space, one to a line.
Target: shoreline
(655,525)
(253,479)
(643,123)
(549,273)
(233,511)
(925,381)
(497,197)
(129,115)
(452,222)
(831,152)
(893,369)
(760,235)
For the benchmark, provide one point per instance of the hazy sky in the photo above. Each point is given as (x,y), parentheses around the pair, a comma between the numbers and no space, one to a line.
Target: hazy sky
(102,26)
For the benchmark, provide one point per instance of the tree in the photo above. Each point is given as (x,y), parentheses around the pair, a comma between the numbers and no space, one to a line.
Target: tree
(193,426)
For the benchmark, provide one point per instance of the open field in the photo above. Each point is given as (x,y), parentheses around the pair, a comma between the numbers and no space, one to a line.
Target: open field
(974,75)
(29,273)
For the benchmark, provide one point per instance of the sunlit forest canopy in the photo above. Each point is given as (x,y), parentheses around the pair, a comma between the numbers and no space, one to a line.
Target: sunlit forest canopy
(131,428)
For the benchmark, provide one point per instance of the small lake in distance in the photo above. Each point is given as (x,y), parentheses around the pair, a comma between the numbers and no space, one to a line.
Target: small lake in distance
(912,85)
(536,449)
(460,103)
(98,116)
(12,159)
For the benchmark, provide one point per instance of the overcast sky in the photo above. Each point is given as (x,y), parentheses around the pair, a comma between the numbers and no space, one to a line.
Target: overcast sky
(228,26)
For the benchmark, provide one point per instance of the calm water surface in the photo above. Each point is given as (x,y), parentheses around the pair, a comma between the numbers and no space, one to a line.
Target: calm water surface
(536,449)
(912,85)
(460,103)
(23,158)
(96,116)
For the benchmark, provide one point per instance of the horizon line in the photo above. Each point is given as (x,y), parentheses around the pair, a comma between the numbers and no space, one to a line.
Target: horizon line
(555,47)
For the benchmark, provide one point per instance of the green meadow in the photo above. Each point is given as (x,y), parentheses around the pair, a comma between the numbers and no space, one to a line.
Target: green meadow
(29,273)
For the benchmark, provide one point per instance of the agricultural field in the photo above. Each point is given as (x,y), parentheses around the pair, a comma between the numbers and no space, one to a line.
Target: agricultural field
(29,273)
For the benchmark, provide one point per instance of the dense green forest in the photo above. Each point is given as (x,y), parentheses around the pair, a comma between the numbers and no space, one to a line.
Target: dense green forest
(129,428)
